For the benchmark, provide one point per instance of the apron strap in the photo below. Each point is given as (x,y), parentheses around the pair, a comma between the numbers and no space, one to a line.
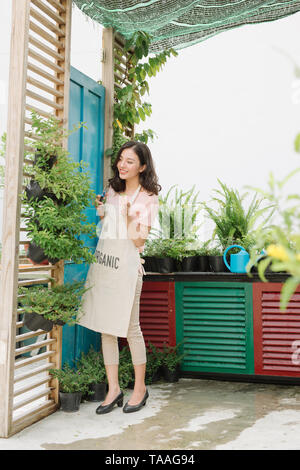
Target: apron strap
(134,196)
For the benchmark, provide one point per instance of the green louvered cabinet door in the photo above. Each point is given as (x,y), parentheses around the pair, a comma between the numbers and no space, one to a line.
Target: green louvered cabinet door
(215,320)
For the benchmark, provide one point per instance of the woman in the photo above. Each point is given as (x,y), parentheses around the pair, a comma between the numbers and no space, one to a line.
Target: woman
(134,176)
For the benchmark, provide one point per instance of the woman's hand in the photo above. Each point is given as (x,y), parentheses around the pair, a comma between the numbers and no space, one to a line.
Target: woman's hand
(99,206)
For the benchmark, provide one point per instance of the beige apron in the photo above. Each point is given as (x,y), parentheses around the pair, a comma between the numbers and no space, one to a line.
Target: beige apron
(107,305)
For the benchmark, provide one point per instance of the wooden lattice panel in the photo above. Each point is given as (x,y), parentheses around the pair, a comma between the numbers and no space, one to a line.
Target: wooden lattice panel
(39,80)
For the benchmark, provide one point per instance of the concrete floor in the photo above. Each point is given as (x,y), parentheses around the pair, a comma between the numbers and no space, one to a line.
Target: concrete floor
(191,414)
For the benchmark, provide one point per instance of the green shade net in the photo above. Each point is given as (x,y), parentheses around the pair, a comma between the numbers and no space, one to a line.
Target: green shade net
(182,23)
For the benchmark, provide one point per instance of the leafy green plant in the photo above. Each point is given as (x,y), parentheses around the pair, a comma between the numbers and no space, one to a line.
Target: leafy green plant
(281,242)
(177,218)
(154,362)
(233,223)
(129,107)
(170,356)
(194,247)
(91,365)
(56,222)
(70,380)
(59,303)
(164,247)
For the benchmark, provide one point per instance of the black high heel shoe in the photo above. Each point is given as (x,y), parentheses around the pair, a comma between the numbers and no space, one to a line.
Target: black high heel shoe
(131,408)
(102,409)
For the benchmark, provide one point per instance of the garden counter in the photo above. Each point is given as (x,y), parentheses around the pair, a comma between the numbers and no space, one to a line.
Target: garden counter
(231,324)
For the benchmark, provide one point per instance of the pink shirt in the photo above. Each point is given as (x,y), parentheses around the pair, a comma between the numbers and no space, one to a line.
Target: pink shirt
(144,209)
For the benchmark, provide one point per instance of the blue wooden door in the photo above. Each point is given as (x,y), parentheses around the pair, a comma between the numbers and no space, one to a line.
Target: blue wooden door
(87,100)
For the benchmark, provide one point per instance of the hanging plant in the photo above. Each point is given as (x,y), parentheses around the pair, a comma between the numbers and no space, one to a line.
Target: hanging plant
(129,109)
(56,196)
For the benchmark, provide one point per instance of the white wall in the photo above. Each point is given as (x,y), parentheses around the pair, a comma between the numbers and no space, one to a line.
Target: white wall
(229,108)
(226,108)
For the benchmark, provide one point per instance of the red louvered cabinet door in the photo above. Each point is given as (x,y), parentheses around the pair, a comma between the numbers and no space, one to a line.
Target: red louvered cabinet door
(157,313)
(276,332)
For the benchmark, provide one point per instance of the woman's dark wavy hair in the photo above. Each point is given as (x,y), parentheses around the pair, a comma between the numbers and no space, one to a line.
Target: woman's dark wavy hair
(148,178)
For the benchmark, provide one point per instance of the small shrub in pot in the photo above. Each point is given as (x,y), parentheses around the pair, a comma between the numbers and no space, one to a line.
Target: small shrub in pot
(72,384)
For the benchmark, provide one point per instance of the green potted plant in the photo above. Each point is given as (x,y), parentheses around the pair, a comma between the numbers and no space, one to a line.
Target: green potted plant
(171,362)
(281,241)
(215,259)
(193,255)
(53,210)
(43,307)
(162,253)
(233,222)
(154,362)
(177,227)
(91,365)
(72,384)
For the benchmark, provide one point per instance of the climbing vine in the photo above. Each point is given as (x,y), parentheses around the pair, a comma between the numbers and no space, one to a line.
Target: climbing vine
(130,107)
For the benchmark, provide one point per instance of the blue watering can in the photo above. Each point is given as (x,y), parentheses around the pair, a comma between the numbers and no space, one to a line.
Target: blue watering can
(238,261)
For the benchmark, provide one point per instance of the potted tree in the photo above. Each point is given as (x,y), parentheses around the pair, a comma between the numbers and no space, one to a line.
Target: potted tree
(72,384)
(44,307)
(53,210)
(91,365)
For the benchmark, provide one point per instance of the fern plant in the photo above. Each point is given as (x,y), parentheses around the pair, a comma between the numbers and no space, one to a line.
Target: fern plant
(234,224)
(177,218)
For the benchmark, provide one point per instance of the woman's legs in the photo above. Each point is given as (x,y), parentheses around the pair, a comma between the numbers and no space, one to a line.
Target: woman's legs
(137,347)
(110,351)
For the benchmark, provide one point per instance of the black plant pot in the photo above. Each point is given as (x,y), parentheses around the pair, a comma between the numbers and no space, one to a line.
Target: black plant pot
(202,263)
(48,164)
(166,265)
(254,269)
(34,322)
(190,263)
(37,255)
(34,191)
(217,264)
(99,392)
(150,264)
(70,401)
(171,375)
(157,375)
